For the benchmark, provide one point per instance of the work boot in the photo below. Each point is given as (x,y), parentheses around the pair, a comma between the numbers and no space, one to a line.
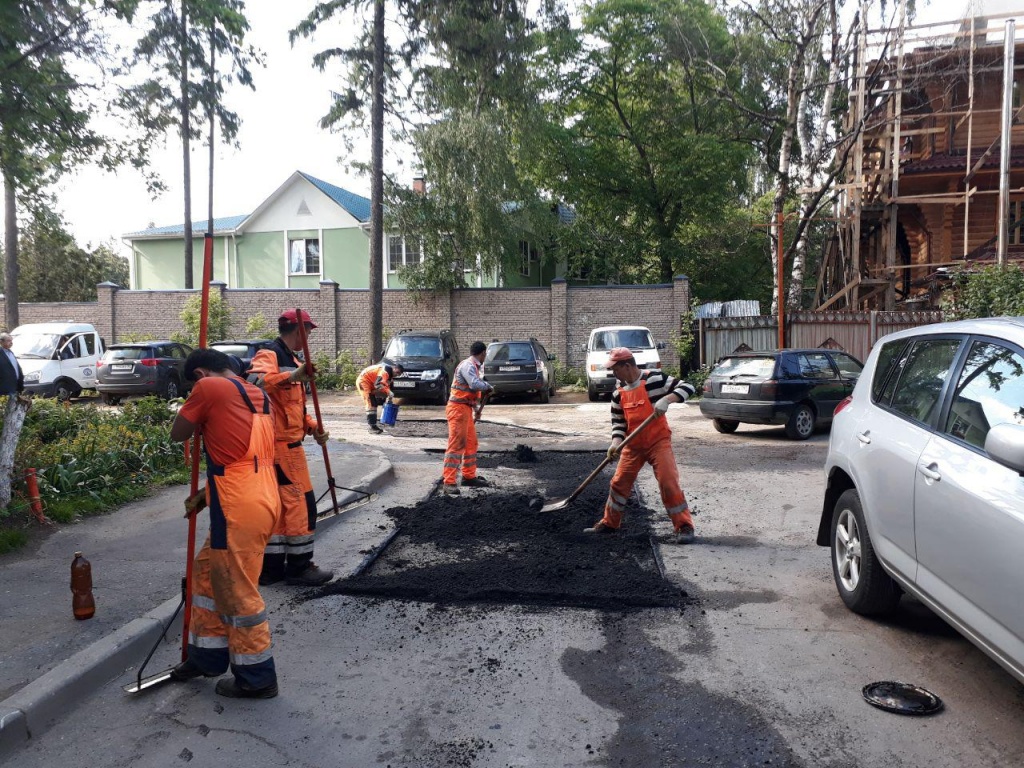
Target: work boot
(313,576)
(233,689)
(450,489)
(188,670)
(474,482)
(266,578)
(600,527)
(372,428)
(685,534)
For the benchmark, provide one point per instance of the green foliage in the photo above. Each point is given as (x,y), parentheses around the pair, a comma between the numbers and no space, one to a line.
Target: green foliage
(572,378)
(993,292)
(12,539)
(698,377)
(258,327)
(128,338)
(340,372)
(218,323)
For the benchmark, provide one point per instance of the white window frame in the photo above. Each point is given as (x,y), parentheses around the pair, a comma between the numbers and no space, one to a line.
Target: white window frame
(305,240)
(405,261)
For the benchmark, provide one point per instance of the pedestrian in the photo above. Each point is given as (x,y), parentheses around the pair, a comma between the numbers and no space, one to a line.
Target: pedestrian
(283,376)
(12,378)
(229,623)
(462,411)
(374,384)
(638,395)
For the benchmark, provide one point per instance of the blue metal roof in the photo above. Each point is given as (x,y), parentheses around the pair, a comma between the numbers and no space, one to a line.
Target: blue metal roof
(226,224)
(357,205)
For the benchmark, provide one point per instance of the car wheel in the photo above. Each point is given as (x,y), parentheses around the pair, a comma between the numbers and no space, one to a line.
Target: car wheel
(592,394)
(801,423)
(862,583)
(65,389)
(109,399)
(172,389)
(442,396)
(725,426)
(544,396)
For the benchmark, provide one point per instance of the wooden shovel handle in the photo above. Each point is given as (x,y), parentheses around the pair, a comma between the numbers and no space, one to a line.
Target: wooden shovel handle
(608,459)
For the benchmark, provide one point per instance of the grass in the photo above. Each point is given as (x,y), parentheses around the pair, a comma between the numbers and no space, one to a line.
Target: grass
(12,539)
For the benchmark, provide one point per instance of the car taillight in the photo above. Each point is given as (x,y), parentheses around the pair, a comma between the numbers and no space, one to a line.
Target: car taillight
(842,404)
(707,386)
(149,362)
(769,389)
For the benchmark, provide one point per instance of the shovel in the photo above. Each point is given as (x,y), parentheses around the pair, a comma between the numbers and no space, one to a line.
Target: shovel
(559,504)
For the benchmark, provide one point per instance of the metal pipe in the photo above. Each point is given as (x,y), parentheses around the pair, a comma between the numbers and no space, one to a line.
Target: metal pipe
(1004,150)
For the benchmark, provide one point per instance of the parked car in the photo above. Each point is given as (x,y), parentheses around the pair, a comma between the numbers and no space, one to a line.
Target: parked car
(242,352)
(799,388)
(142,368)
(58,359)
(600,380)
(428,360)
(520,367)
(924,491)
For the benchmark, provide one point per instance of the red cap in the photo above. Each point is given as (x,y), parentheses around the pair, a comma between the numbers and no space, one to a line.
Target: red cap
(619,355)
(289,317)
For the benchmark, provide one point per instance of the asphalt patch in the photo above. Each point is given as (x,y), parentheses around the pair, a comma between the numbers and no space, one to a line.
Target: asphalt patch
(488,545)
(437,429)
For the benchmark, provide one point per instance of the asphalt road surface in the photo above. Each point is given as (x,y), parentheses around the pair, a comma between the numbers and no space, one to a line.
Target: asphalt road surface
(763,666)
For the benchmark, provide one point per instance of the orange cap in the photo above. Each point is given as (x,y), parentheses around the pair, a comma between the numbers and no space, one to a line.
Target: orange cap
(619,355)
(289,317)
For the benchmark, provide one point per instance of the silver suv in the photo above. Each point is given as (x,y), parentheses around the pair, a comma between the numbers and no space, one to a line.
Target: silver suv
(925,492)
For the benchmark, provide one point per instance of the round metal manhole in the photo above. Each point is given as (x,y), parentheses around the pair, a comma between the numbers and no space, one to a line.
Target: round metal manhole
(902,698)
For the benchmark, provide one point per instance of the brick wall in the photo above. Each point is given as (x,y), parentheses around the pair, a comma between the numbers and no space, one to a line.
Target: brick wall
(561,316)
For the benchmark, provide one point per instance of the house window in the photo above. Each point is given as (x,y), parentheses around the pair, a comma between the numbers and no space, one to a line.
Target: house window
(403,252)
(1015,224)
(304,256)
(527,256)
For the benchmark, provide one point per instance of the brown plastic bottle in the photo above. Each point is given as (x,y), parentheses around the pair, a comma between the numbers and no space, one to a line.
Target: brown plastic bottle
(82,603)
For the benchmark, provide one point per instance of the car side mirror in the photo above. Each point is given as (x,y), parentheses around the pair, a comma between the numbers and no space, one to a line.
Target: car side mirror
(661,345)
(1004,444)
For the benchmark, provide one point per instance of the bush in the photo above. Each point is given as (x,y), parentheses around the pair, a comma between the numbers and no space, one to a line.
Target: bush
(569,377)
(993,292)
(218,323)
(257,327)
(340,372)
(698,377)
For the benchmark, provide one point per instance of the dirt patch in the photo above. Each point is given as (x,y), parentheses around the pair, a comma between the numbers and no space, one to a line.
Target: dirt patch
(437,429)
(489,546)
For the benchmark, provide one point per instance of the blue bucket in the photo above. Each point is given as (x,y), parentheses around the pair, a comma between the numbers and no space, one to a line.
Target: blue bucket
(389,415)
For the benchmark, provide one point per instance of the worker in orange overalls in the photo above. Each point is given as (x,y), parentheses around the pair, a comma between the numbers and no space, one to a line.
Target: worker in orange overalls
(374,384)
(639,394)
(462,411)
(283,376)
(229,619)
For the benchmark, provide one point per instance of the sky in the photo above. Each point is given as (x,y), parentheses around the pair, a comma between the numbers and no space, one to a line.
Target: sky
(279,135)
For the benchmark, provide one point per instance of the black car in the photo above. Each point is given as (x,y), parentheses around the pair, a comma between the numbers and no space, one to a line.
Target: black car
(428,360)
(799,388)
(142,368)
(241,352)
(518,367)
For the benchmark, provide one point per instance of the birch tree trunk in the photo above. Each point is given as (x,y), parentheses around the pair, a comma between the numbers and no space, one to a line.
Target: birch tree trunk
(15,409)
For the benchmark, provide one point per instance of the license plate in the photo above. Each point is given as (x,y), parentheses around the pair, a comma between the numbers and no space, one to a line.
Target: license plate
(403,384)
(510,368)
(735,389)
(127,367)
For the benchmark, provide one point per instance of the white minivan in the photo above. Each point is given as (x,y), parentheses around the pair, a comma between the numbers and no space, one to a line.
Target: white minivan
(601,381)
(58,359)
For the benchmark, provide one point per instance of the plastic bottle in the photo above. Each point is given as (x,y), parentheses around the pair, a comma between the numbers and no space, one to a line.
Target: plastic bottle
(82,603)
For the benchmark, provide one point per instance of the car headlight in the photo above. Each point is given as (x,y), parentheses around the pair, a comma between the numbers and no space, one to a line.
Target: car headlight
(431,375)
(34,376)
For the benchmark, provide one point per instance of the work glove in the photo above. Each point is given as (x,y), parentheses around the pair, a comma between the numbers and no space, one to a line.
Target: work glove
(196,502)
(615,448)
(322,437)
(662,405)
(299,375)
(390,398)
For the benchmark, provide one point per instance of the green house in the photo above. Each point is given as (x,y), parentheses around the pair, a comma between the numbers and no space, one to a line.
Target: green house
(307,231)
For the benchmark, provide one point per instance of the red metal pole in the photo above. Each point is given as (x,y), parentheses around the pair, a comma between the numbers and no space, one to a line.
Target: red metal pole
(204,326)
(316,404)
(34,501)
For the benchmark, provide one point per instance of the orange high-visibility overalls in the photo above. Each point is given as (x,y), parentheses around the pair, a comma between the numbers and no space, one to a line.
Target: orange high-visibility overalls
(652,446)
(290,549)
(374,385)
(462,442)
(229,619)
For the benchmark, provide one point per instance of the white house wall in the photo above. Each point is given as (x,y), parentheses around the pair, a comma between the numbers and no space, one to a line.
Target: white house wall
(301,206)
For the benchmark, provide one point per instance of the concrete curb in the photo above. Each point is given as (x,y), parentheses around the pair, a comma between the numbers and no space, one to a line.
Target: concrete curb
(34,708)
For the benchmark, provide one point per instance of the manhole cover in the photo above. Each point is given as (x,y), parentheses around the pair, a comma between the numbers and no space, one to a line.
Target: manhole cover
(902,698)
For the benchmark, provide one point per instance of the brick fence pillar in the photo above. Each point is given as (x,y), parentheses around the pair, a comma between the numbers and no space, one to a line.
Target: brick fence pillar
(106,311)
(329,340)
(560,320)
(680,307)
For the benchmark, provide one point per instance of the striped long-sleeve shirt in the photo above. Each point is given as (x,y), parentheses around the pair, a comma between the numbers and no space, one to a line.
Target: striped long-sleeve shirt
(658,385)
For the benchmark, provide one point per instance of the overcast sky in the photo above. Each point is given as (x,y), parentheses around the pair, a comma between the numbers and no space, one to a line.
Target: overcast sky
(279,135)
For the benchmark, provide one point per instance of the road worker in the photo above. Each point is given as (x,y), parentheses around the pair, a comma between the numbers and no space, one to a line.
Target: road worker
(462,411)
(229,619)
(374,384)
(283,376)
(637,396)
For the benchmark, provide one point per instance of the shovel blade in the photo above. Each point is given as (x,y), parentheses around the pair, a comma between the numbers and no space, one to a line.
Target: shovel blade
(556,505)
(136,686)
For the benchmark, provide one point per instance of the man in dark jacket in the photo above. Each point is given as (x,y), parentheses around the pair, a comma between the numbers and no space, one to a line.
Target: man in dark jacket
(12,378)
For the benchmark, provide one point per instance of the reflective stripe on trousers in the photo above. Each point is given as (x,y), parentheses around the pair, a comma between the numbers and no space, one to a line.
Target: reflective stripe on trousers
(662,460)
(462,443)
(290,549)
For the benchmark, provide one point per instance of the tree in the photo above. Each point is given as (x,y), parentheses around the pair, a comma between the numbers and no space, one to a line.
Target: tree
(178,45)
(54,268)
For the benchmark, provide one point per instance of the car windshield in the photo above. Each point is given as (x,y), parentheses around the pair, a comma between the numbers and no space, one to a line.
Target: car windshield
(126,353)
(734,367)
(241,350)
(510,352)
(633,338)
(41,345)
(414,346)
